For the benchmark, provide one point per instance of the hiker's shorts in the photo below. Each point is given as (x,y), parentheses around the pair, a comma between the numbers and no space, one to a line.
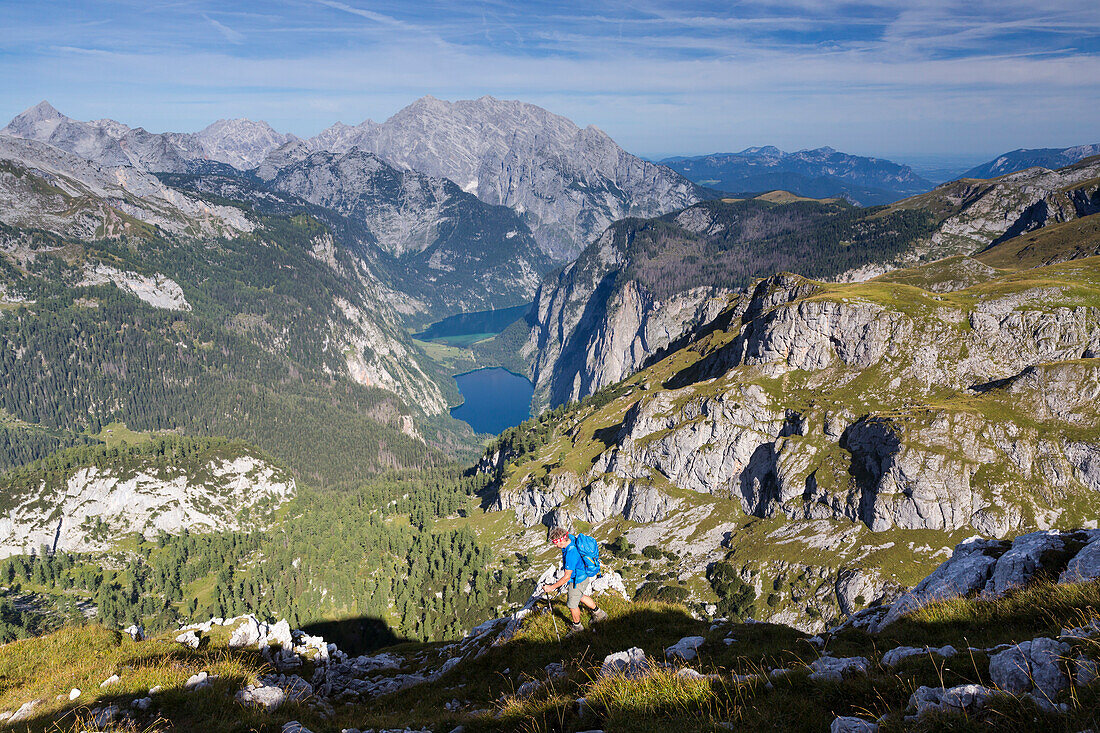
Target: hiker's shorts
(574,592)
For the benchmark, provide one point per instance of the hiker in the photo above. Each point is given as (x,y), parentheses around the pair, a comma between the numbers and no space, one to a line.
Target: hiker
(578,576)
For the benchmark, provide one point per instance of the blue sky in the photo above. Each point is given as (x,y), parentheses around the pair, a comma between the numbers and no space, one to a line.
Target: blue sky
(887,77)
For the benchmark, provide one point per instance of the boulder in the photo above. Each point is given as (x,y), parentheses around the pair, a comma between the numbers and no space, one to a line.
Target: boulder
(554,670)
(189,639)
(1031,665)
(142,703)
(528,688)
(685,649)
(960,699)
(835,669)
(1019,563)
(848,724)
(631,663)
(249,633)
(894,657)
(113,679)
(196,682)
(268,697)
(25,711)
(136,632)
(294,726)
(102,717)
(280,634)
(1085,565)
(1086,670)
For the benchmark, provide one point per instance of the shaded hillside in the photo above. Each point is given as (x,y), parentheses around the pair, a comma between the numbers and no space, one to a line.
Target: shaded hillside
(643,283)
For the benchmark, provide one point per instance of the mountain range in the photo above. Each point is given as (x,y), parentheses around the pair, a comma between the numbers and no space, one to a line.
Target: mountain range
(819,173)
(1018,160)
(567,183)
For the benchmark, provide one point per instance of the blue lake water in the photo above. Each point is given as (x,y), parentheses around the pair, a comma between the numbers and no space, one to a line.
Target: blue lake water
(495,399)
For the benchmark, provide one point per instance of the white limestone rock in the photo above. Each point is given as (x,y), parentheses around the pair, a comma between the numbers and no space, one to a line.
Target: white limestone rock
(631,663)
(834,669)
(959,699)
(894,657)
(686,649)
(849,724)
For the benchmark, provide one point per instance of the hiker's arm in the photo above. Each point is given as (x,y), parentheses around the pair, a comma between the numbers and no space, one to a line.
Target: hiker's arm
(561,581)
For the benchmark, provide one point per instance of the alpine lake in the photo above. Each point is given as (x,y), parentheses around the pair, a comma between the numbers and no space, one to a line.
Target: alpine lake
(494,398)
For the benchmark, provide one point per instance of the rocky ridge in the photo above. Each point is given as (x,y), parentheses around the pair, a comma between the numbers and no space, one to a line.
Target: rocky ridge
(1023,158)
(45,187)
(239,143)
(595,322)
(835,414)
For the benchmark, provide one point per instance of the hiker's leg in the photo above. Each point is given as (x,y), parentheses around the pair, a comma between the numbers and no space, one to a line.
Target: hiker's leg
(588,603)
(573,597)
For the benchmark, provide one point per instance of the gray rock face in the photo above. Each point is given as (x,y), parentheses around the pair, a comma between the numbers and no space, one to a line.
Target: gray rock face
(1085,565)
(1021,561)
(589,330)
(1037,665)
(741,440)
(451,249)
(567,183)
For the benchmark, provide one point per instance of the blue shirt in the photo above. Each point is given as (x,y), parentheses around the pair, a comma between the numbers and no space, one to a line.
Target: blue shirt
(571,560)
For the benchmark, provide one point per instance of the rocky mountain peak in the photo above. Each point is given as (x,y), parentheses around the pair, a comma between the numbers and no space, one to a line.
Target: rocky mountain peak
(36,122)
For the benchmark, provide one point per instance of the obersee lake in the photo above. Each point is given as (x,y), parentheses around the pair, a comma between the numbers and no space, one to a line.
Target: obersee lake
(495,399)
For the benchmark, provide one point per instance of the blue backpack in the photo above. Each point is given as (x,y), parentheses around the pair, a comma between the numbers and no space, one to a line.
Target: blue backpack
(589,551)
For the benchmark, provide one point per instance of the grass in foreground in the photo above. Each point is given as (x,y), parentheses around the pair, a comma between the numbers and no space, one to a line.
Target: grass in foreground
(485,689)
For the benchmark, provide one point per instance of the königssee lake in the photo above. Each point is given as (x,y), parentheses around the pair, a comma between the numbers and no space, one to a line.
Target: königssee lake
(495,399)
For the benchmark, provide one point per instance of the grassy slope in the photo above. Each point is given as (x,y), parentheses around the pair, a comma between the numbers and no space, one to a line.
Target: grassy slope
(485,687)
(1051,244)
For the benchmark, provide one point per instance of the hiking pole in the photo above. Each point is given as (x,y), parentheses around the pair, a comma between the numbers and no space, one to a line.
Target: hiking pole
(550,609)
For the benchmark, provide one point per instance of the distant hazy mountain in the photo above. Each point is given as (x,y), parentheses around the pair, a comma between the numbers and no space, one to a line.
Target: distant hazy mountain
(1018,160)
(819,173)
(240,143)
(567,183)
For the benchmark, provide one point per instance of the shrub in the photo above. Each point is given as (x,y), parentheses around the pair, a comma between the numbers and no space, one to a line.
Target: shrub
(652,552)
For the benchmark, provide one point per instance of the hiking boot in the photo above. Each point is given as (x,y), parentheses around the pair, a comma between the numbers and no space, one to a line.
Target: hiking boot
(574,629)
(599,615)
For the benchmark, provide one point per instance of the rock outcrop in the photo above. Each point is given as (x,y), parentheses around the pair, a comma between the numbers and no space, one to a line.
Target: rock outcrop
(90,509)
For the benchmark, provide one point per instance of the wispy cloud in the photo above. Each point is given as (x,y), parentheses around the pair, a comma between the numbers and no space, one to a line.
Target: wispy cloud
(228,33)
(661,77)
